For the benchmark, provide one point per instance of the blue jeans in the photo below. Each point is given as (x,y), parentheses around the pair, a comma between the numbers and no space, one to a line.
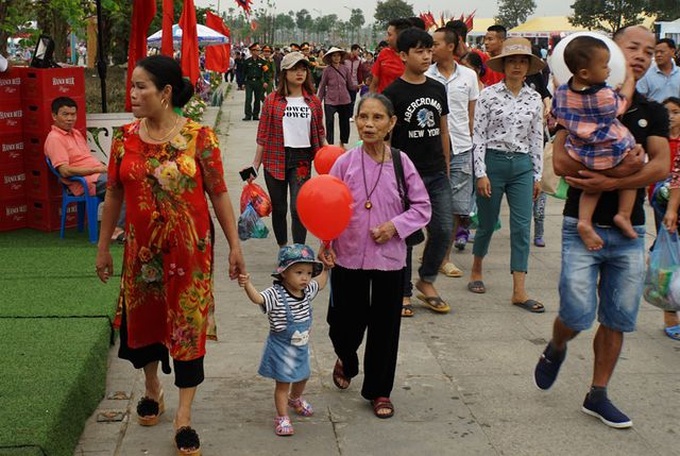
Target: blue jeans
(439,231)
(461,182)
(616,274)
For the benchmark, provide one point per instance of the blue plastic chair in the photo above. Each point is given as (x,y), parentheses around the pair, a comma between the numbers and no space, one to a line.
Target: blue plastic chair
(86,203)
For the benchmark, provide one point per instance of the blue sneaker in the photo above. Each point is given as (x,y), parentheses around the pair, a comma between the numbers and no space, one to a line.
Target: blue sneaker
(547,369)
(606,412)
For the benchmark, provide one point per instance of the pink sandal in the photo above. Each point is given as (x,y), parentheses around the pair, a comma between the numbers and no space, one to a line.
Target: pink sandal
(283,426)
(301,406)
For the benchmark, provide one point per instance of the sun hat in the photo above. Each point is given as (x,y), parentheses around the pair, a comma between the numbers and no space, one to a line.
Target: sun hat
(297,253)
(292,58)
(331,51)
(516,46)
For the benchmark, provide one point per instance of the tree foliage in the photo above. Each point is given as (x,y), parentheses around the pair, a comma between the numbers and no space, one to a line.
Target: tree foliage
(608,15)
(511,13)
(14,15)
(391,9)
(664,10)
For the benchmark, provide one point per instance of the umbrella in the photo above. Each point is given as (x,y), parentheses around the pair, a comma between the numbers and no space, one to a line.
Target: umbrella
(206,36)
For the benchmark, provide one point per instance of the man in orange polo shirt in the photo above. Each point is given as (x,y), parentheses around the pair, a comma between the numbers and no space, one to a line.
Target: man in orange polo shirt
(70,155)
(388,65)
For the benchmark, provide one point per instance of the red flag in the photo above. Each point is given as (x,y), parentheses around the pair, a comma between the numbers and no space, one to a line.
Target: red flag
(168,20)
(187,22)
(217,57)
(143,12)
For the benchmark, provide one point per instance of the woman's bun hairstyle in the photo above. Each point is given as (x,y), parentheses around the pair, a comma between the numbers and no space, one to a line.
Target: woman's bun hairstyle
(183,95)
(165,71)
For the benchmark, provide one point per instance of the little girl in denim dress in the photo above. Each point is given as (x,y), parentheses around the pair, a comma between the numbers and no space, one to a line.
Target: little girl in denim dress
(287,304)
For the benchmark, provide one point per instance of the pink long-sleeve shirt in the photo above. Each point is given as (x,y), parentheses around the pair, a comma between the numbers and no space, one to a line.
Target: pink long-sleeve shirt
(355,248)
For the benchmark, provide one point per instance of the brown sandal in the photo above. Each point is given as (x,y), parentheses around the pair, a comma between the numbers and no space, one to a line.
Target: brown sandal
(380,404)
(339,378)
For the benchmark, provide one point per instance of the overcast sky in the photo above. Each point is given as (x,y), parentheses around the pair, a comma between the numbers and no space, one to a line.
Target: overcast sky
(485,8)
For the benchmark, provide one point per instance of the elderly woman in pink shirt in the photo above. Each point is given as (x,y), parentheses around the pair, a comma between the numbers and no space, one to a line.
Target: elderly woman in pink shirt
(369,257)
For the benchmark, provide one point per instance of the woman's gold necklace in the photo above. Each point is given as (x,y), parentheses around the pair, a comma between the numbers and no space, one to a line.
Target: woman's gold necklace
(164,138)
(368,204)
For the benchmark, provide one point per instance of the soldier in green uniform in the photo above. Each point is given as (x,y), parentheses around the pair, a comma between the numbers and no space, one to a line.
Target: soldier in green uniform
(255,83)
(269,69)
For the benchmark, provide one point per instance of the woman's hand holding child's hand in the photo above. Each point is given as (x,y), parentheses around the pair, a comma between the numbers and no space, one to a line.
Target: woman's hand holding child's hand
(243,279)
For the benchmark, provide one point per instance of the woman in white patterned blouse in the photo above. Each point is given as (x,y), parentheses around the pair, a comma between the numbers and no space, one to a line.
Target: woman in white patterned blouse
(508,146)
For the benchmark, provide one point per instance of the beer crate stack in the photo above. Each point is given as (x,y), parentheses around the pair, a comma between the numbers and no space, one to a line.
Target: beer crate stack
(40,190)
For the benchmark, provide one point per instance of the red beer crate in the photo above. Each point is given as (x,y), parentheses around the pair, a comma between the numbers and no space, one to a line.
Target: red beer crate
(13,182)
(38,115)
(13,214)
(10,84)
(34,149)
(11,116)
(12,149)
(50,83)
(41,183)
(45,214)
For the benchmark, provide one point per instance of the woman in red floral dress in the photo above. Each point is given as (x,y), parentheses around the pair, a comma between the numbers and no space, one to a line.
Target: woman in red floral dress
(162,166)
(288,135)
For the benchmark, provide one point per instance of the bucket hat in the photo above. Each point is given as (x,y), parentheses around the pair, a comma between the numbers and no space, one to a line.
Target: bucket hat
(297,253)
(516,46)
(291,59)
(331,51)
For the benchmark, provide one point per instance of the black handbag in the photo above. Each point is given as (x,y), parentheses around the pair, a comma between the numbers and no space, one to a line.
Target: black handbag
(417,236)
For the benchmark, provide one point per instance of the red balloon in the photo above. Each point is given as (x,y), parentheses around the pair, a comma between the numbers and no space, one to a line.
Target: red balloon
(324,205)
(325,157)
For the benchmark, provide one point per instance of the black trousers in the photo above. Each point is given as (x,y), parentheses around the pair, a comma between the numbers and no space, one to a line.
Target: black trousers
(344,113)
(298,171)
(366,301)
(187,373)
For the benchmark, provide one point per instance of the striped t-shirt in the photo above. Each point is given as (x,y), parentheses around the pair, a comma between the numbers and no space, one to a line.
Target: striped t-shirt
(299,307)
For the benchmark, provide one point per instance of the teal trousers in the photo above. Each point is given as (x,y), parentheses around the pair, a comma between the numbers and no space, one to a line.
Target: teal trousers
(511,174)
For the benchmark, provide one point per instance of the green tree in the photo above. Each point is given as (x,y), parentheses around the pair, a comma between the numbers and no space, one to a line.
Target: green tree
(391,9)
(665,10)
(608,15)
(284,25)
(356,21)
(511,13)
(304,22)
(14,14)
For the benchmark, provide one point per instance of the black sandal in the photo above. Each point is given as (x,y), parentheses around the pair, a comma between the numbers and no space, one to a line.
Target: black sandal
(187,442)
(149,410)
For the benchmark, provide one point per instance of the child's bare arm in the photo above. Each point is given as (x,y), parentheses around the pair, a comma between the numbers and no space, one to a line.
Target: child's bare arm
(670,219)
(322,279)
(251,291)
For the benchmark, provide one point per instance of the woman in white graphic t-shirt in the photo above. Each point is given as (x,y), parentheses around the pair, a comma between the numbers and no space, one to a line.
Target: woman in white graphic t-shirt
(289,134)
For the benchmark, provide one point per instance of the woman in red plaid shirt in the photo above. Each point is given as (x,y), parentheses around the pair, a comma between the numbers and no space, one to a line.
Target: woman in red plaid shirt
(289,134)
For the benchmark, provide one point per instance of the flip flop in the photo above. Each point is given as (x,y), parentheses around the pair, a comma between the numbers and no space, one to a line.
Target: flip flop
(673,332)
(450,270)
(381,404)
(476,286)
(339,378)
(531,305)
(434,303)
(406,310)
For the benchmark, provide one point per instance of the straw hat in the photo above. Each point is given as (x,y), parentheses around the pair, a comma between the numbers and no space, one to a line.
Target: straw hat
(516,46)
(331,51)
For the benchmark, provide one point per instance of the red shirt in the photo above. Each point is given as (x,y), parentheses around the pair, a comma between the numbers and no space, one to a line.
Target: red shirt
(387,67)
(270,132)
(490,77)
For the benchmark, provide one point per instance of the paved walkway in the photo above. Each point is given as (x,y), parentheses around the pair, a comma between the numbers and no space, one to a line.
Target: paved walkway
(464,380)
